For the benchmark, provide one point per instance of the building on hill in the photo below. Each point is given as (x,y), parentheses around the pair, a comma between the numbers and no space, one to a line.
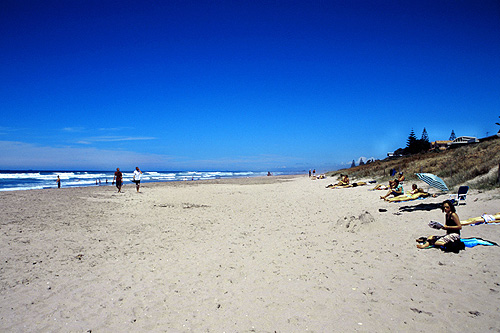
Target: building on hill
(440,144)
(462,140)
(491,137)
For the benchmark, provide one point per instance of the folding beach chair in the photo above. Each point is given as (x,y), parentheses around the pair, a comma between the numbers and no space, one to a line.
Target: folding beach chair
(460,196)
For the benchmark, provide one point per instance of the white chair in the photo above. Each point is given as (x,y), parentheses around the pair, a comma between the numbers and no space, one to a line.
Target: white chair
(461,195)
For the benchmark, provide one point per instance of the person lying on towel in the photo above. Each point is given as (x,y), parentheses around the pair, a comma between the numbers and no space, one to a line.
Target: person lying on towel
(383,187)
(485,218)
(414,194)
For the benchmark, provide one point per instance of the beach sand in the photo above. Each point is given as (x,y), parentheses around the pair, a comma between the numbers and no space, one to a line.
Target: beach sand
(271,254)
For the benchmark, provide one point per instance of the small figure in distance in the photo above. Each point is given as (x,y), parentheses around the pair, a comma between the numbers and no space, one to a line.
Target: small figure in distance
(118,178)
(58,180)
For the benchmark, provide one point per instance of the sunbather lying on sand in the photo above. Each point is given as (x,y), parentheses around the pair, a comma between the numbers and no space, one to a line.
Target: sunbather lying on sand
(415,193)
(485,218)
(383,187)
(409,197)
(346,186)
(415,189)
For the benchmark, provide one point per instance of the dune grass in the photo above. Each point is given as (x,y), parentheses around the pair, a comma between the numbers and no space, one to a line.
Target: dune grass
(475,165)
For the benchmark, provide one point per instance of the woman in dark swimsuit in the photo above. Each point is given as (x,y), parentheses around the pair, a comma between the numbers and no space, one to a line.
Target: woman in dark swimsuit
(452,226)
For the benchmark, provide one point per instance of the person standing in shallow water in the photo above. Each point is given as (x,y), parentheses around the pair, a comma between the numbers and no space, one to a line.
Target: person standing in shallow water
(58,180)
(118,178)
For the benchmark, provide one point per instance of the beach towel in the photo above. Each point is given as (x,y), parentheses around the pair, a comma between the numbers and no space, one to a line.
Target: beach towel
(488,218)
(409,197)
(471,242)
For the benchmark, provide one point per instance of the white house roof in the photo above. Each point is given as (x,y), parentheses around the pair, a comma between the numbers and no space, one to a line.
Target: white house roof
(465,139)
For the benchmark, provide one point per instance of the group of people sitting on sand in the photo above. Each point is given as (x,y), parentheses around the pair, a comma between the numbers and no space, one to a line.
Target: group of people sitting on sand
(451,241)
(396,189)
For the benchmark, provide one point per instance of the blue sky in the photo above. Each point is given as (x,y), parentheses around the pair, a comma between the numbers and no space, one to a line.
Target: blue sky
(240,85)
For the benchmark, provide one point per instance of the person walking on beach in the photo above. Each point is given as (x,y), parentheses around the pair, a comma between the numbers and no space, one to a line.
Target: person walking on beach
(58,182)
(137,178)
(118,177)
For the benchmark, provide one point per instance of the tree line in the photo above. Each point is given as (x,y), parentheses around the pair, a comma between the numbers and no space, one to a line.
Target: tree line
(413,145)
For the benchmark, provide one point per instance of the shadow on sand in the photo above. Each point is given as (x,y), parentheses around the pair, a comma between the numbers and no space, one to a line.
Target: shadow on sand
(423,206)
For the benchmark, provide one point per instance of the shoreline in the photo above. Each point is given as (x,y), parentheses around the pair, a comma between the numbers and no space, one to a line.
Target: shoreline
(279,253)
(76,179)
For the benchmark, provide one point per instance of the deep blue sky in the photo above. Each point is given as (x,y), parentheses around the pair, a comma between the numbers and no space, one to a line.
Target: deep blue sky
(240,85)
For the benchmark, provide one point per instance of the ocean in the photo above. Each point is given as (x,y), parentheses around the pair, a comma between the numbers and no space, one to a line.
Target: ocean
(31,179)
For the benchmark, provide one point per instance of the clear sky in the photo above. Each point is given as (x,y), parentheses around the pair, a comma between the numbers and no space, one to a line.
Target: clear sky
(240,85)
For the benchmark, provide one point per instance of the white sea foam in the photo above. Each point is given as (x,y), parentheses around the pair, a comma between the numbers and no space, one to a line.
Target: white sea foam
(14,181)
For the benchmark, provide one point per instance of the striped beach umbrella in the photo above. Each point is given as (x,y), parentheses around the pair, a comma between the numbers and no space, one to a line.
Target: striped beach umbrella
(433,181)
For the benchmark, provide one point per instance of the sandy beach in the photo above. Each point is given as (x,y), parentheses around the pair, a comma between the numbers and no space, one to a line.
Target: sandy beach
(272,254)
